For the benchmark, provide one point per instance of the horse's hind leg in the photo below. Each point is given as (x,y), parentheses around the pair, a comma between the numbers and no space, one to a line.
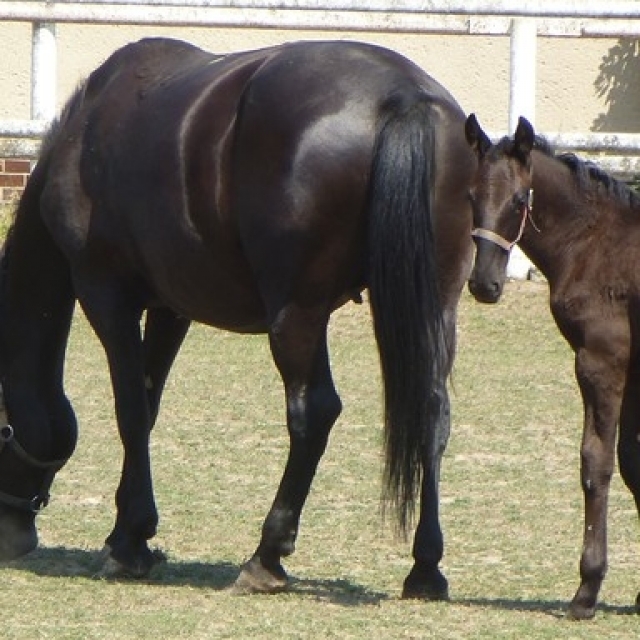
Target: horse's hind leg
(299,347)
(425,580)
(629,442)
(455,253)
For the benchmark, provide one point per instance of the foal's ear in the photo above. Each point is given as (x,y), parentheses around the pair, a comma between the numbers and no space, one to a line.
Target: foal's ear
(478,140)
(523,139)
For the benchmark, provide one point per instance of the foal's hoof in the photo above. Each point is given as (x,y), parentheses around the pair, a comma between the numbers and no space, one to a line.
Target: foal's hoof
(423,584)
(256,578)
(113,569)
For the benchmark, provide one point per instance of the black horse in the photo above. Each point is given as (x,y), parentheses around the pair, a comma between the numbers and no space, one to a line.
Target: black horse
(255,192)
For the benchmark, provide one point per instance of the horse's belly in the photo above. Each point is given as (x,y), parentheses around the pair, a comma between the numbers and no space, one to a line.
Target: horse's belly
(210,298)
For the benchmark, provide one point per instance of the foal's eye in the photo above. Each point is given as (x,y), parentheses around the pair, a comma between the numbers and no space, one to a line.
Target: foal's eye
(519,200)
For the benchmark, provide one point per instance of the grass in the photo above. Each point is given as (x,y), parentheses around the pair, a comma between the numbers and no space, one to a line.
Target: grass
(6,216)
(511,501)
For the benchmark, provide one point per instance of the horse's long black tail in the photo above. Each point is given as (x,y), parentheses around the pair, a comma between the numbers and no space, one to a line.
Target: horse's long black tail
(404,298)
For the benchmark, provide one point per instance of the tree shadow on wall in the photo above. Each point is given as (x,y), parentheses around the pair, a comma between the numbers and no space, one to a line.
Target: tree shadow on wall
(619,83)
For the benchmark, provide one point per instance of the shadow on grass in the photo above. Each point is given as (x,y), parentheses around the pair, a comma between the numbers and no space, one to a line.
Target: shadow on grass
(554,608)
(64,562)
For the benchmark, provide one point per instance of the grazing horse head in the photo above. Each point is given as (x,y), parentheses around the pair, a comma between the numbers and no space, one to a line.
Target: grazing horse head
(30,456)
(500,198)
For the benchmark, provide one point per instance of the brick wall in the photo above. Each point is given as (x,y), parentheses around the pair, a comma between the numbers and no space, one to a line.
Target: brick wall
(13,176)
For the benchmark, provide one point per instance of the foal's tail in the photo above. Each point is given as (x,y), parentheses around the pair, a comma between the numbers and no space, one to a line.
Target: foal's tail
(405,303)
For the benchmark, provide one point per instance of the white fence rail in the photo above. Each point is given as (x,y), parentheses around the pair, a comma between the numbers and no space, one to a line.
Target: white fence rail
(521,20)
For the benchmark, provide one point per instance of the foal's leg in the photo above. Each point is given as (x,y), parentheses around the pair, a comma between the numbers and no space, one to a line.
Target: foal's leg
(601,376)
(299,348)
(629,442)
(117,325)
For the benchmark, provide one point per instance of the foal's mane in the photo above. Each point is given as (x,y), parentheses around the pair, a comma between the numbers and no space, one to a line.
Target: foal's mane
(589,175)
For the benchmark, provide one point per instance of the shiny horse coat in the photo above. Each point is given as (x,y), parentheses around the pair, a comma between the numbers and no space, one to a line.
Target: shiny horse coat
(254,192)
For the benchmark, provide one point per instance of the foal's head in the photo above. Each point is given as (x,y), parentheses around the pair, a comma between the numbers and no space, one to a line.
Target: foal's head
(499,197)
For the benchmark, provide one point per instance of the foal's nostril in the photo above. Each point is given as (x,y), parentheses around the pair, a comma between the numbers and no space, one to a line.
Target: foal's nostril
(484,291)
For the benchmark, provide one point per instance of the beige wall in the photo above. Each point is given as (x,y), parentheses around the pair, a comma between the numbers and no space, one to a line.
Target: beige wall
(474,68)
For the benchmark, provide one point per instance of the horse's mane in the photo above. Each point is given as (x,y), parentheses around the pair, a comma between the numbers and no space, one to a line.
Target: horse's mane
(56,125)
(48,141)
(587,174)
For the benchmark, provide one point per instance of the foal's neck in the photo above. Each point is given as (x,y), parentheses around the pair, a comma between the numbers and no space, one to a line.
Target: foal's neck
(559,218)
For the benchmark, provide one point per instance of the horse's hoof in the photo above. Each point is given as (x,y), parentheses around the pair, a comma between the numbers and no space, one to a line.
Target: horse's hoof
(256,578)
(579,611)
(113,569)
(425,585)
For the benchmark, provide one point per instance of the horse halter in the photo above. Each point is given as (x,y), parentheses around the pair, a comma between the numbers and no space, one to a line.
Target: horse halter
(8,442)
(492,236)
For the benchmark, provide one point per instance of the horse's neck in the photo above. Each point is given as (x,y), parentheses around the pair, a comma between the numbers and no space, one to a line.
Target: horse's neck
(553,225)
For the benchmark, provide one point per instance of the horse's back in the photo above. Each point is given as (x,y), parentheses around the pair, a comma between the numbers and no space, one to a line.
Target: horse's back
(151,61)
(210,179)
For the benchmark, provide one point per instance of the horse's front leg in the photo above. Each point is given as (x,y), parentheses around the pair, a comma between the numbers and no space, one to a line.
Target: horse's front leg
(601,376)
(298,344)
(629,441)
(117,325)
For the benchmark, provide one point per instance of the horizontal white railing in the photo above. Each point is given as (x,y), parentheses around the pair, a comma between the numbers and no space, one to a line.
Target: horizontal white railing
(618,9)
(521,20)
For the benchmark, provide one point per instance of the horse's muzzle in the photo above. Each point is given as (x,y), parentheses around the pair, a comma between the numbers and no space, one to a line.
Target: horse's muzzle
(487,291)
(18,535)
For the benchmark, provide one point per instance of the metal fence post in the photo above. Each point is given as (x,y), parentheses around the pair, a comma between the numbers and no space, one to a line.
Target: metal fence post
(43,71)
(522,90)
(522,102)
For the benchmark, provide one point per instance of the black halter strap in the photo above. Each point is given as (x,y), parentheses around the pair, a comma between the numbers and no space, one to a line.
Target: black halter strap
(8,442)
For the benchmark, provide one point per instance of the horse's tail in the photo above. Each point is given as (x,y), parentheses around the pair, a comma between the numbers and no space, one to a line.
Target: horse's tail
(404,298)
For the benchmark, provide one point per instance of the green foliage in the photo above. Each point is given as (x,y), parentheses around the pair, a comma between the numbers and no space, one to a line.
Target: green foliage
(6,217)
(511,501)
